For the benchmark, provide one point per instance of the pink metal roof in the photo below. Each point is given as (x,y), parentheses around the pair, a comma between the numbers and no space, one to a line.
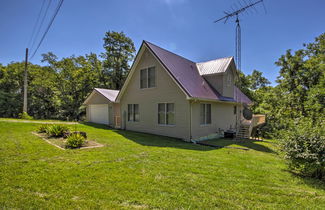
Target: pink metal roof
(240,96)
(184,72)
(187,75)
(108,93)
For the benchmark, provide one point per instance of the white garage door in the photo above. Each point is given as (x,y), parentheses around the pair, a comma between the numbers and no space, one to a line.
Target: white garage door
(99,113)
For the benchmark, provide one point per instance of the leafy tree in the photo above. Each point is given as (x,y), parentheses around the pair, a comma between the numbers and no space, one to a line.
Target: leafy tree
(304,148)
(11,84)
(256,80)
(119,52)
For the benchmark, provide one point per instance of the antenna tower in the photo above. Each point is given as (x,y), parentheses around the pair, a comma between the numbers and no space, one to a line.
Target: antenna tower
(236,13)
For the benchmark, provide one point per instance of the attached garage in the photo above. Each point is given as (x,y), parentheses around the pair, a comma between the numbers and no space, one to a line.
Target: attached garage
(98,113)
(101,107)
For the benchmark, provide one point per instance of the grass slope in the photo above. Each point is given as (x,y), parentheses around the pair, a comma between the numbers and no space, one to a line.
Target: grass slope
(137,170)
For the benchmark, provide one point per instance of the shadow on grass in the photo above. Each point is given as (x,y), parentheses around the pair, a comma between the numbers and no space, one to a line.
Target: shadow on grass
(245,143)
(99,126)
(146,139)
(163,141)
(310,181)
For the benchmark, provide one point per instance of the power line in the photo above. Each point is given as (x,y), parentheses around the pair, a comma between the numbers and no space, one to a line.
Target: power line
(42,21)
(48,27)
(36,23)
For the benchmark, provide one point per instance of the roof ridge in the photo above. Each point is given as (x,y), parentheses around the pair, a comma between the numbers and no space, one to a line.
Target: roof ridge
(147,42)
(105,89)
(214,59)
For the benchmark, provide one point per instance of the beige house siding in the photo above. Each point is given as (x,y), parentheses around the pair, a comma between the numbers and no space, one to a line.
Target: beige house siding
(220,82)
(166,91)
(97,98)
(87,113)
(228,88)
(216,81)
(222,117)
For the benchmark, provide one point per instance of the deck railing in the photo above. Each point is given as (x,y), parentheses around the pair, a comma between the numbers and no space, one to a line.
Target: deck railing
(257,120)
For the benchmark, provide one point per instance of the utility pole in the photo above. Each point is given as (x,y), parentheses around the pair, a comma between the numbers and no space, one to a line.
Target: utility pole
(25,82)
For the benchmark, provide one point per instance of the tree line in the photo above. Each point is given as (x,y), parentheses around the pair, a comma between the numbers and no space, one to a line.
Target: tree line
(295,107)
(57,89)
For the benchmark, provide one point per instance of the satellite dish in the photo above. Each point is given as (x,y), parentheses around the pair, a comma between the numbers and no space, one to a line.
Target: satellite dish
(248,114)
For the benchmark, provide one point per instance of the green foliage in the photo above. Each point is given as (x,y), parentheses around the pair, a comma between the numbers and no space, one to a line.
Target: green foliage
(42,128)
(119,52)
(300,92)
(25,116)
(57,91)
(304,148)
(75,140)
(56,130)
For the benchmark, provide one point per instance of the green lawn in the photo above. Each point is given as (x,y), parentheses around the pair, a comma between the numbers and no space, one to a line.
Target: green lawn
(137,170)
(18,119)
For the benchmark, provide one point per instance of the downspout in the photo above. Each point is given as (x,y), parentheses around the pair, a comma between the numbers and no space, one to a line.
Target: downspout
(190,120)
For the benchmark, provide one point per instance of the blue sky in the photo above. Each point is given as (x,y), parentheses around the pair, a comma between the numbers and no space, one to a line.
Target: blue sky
(183,26)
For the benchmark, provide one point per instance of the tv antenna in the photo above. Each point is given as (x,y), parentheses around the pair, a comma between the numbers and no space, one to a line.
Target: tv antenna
(236,13)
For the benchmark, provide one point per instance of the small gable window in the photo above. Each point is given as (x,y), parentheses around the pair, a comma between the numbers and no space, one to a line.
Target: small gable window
(205,114)
(229,79)
(148,78)
(133,113)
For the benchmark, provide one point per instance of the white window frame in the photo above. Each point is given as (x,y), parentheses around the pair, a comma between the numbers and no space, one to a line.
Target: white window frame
(147,72)
(133,113)
(206,114)
(165,115)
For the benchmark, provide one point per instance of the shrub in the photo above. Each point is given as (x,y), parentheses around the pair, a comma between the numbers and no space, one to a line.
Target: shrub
(42,128)
(68,133)
(56,130)
(75,140)
(25,116)
(304,148)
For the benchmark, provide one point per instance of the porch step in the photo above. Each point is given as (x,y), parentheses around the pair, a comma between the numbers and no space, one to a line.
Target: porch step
(243,132)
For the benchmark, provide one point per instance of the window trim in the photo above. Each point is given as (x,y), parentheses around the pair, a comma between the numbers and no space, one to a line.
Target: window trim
(229,79)
(133,113)
(165,115)
(206,114)
(147,73)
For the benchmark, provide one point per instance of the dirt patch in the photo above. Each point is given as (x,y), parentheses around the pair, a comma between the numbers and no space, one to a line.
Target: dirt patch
(61,142)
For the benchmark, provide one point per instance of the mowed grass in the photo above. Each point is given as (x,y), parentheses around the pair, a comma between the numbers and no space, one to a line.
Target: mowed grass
(136,170)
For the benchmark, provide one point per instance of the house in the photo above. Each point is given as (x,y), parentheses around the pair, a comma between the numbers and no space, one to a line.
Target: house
(169,95)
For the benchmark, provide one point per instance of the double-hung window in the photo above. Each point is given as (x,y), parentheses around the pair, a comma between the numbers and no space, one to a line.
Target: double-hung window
(205,114)
(133,112)
(166,114)
(148,78)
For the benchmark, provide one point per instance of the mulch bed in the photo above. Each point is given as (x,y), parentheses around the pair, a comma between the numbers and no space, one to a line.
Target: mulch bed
(60,142)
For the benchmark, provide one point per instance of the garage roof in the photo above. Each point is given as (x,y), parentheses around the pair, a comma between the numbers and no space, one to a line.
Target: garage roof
(108,93)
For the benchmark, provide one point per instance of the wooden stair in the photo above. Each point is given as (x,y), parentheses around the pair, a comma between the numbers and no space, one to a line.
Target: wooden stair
(243,132)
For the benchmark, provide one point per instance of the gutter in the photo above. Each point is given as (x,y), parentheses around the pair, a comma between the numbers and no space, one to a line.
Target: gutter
(211,100)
